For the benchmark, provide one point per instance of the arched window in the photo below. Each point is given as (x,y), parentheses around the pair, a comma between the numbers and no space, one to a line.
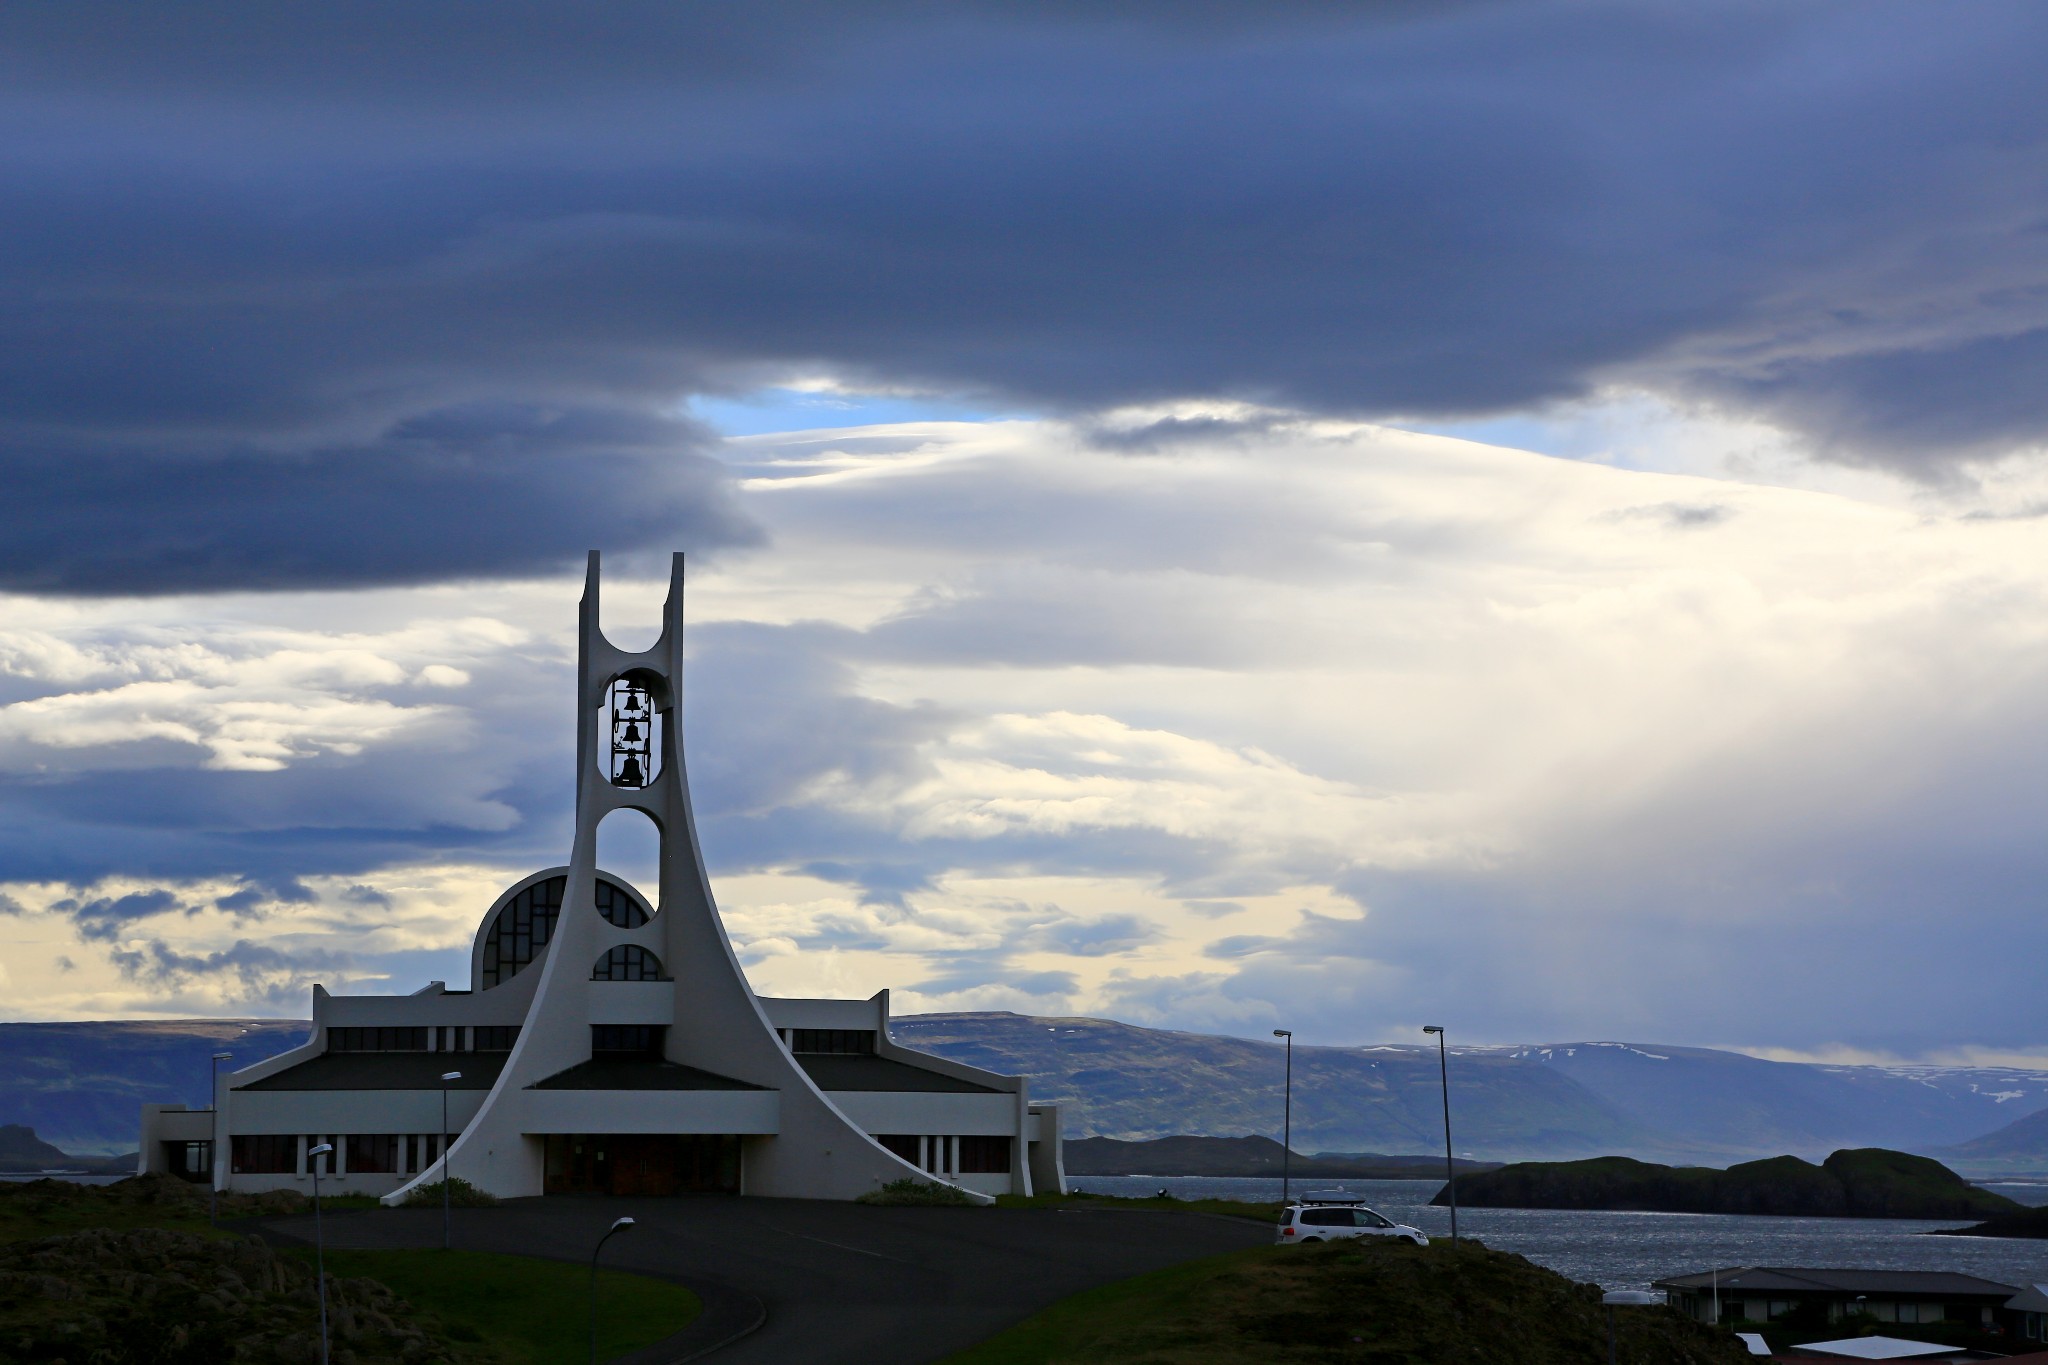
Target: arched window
(618,906)
(521,930)
(526,923)
(628,962)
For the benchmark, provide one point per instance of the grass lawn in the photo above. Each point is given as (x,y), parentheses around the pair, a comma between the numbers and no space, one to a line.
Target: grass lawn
(522,1311)
(1371,1302)
(1231,1208)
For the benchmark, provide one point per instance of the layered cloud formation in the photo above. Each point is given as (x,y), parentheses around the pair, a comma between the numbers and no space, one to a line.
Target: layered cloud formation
(1182,679)
(1337,726)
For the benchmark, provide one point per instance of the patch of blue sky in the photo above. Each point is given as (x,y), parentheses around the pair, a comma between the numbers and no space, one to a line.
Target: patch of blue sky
(1518,431)
(784,409)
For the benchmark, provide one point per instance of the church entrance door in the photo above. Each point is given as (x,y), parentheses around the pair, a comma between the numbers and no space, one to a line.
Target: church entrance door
(642,1163)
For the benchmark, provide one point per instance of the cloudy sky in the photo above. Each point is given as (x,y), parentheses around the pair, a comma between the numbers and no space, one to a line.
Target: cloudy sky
(1528,516)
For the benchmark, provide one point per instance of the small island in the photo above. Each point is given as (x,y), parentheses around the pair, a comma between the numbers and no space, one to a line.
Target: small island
(1866,1182)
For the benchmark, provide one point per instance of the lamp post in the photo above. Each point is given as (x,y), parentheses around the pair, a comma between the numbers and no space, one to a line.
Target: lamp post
(1450,1168)
(620,1226)
(313,1155)
(447,1223)
(213,1147)
(1287,1120)
(1639,1297)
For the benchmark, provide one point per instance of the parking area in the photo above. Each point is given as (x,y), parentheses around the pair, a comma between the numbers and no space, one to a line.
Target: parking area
(817,1282)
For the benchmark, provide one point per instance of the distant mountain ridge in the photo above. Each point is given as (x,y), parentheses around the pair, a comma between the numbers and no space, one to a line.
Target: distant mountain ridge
(1684,1105)
(81,1087)
(2015,1149)
(1245,1156)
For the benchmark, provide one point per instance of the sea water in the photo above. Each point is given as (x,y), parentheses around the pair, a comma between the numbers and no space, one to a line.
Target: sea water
(1629,1250)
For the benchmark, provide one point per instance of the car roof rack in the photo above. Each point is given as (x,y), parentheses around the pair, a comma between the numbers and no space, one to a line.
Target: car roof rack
(1331,1198)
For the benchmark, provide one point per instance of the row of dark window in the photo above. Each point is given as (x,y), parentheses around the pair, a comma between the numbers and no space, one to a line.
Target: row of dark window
(376,1040)
(482,1038)
(527,921)
(640,1040)
(979,1154)
(840,1041)
(362,1153)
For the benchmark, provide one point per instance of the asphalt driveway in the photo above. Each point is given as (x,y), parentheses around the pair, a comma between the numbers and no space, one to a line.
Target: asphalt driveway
(803,1282)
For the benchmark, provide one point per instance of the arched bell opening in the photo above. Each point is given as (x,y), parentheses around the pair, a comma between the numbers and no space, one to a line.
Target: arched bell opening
(631,726)
(629,613)
(628,962)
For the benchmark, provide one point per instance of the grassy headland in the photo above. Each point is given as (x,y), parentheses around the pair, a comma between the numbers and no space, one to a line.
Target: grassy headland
(1867,1182)
(1369,1302)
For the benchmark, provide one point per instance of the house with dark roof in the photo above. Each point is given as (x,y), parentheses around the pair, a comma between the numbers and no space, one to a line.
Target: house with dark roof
(1768,1293)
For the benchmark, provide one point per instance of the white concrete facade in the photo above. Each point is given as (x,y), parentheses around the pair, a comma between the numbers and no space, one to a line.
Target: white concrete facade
(676,1077)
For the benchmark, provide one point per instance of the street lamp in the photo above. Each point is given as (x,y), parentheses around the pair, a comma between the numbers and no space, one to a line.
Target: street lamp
(447,1236)
(620,1226)
(213,1147)
(313,1155)
(1450,1169)
(1287,1119)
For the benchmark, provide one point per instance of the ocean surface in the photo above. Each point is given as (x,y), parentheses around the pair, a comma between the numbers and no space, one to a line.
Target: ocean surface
(1629,1250)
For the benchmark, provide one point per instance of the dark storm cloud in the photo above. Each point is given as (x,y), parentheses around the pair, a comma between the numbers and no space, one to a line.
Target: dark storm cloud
(265,266)
(468,493)
(109,918)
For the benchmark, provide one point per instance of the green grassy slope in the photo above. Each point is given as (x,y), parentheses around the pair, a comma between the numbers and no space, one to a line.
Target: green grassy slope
(1359,1303)
(142,1277)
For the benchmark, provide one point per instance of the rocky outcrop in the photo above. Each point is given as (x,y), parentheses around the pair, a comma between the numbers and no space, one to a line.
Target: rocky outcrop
(2025,1223)
(1867,1182)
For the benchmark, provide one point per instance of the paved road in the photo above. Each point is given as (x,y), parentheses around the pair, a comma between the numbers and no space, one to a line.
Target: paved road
(839,1284)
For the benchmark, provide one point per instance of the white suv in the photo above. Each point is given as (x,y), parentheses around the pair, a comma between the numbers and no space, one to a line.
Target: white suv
(1316,1220)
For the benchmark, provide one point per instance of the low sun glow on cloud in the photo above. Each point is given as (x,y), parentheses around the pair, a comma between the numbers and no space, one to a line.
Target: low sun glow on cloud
(1248,716)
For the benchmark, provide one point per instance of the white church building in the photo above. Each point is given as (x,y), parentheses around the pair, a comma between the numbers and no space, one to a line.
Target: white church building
(609,1043)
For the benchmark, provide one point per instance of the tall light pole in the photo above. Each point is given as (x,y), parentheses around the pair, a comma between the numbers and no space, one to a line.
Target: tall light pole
(319,1242)
(620,1226)
(1450,1168)
(1287,1120)
(447,1223)
(213,1147)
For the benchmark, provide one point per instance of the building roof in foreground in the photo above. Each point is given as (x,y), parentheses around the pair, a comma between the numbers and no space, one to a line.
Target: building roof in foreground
(386,1071)
(857,1071)
(1879,1348)
(1802,1280)
(2032,1299)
